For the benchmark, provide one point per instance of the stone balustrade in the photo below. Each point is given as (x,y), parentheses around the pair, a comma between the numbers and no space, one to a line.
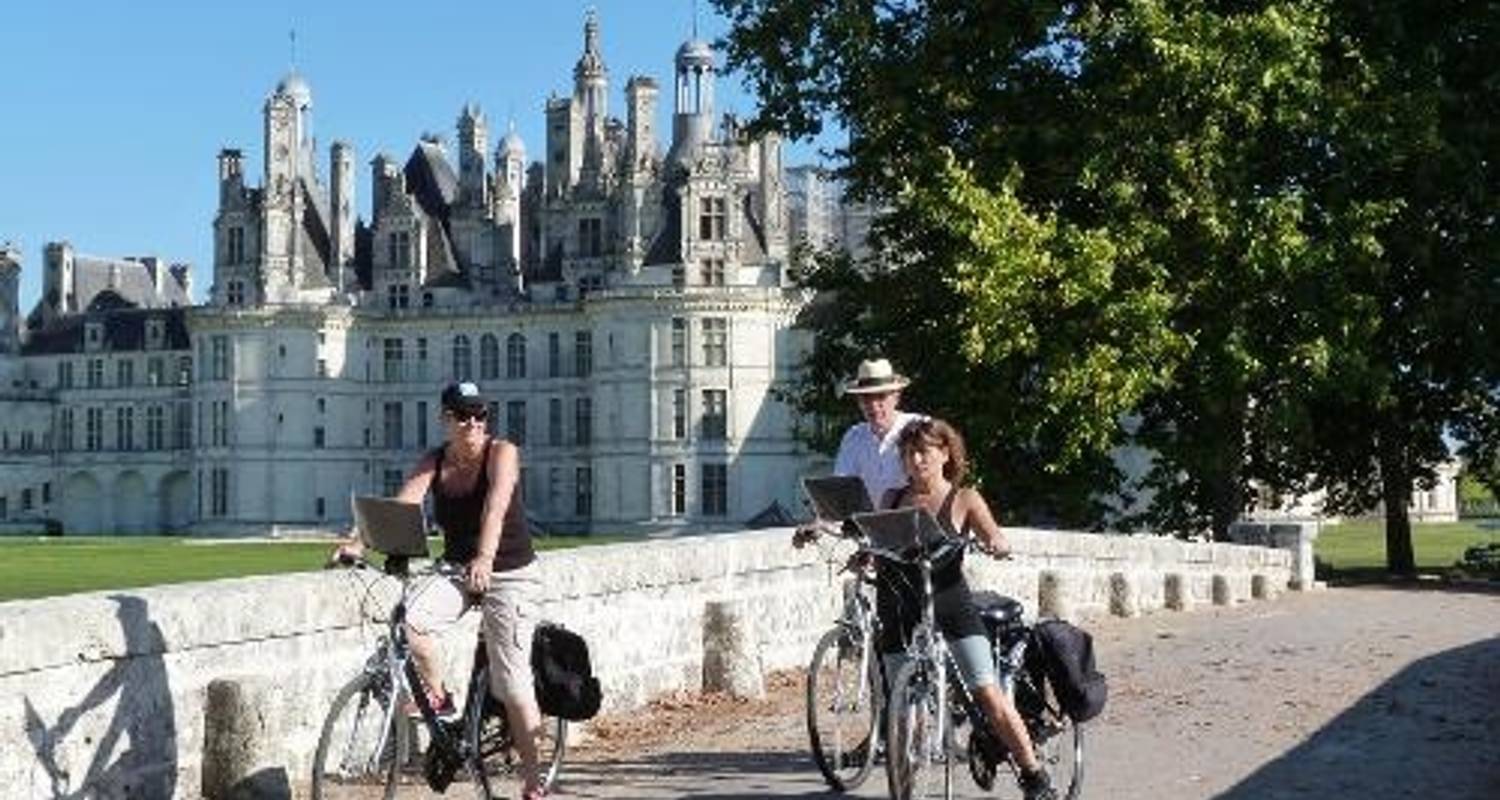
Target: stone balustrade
(122,693)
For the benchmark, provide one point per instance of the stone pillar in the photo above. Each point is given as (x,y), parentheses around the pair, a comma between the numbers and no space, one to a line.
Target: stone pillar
(731,650)
(1178,592)
(235,740)
(1124,596)
(1054,595)
(1221,591)
(1298,537)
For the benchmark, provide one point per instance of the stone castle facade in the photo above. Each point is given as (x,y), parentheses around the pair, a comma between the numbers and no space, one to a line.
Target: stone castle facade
(627,306)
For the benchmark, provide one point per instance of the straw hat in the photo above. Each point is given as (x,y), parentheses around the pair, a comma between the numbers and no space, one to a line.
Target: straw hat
(875,377)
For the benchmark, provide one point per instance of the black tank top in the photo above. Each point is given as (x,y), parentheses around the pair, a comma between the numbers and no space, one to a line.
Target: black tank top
(459,517)
(899,593)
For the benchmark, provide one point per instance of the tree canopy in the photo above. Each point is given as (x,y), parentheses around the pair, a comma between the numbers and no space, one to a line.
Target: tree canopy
(1256,239)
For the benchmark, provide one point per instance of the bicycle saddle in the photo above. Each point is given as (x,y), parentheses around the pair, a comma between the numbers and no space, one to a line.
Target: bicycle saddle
(1001,612)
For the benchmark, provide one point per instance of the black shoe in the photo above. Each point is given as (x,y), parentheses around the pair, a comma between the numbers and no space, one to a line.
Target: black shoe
(1037,786)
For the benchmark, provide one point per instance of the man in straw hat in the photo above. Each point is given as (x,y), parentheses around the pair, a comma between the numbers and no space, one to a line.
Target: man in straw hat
(869,449)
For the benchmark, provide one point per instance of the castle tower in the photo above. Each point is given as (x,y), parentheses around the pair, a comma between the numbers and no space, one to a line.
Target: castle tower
(771,197)
(510,182)
(58,285)
(590,90)
(692,124)
(564,150)
(640,122)
(10,300)
(341,206)
(288,142)
(473,139)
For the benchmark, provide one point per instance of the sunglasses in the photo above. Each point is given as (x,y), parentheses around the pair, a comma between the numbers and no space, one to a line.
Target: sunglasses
(459,415)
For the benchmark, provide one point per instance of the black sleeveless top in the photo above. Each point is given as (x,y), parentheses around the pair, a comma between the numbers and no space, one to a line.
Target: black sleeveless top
(460,516)
(899,592)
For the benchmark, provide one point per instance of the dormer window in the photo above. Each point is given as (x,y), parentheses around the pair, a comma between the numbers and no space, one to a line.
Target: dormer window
(712,218)
(93,334)
(154,333)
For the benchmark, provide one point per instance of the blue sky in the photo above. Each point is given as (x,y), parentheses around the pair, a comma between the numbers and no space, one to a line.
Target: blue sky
(113,112)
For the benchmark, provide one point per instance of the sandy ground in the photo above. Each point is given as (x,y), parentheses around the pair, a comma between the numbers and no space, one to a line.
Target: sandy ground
(1345,693)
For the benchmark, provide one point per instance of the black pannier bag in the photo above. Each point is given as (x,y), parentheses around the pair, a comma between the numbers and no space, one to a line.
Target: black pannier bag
(565,682)
(1063,654)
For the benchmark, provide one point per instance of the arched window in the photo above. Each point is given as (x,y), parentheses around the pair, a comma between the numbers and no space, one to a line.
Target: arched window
(463,360)
(515,356)
(489,357)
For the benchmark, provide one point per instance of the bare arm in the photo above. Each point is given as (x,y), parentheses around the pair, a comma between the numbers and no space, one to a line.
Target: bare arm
(976,514)
(504,470)
(418,481)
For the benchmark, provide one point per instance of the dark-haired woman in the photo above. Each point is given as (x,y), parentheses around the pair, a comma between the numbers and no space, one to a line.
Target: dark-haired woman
(935,460)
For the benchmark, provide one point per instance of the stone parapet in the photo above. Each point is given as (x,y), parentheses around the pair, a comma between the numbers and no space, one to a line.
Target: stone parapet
(86,675)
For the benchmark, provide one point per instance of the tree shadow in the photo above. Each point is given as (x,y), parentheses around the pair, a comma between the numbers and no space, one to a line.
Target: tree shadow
(752,775)
(143,721)
(1429,731)
(1427,581)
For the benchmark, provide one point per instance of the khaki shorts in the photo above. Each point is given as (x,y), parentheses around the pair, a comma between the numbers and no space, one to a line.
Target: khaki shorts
(508,618)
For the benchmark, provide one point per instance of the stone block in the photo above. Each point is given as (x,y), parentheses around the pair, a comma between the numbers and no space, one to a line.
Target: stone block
(731,650)
(1222,596)
(1124,595)
(1177,592)
(1055,595)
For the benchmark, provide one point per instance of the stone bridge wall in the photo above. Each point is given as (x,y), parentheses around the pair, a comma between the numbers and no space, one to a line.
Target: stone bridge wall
(104,694)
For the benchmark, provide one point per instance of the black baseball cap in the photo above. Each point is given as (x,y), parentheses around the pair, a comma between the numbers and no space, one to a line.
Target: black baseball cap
(464,396)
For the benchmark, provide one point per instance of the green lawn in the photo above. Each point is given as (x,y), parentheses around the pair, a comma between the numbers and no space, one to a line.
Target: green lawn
(1359,547)
(43,567)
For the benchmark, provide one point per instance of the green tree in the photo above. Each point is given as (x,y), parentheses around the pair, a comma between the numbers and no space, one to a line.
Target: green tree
(1412,137)
(1035,330)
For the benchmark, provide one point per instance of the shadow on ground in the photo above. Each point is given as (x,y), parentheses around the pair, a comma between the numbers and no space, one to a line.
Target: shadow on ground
(1429,731)
(710,775)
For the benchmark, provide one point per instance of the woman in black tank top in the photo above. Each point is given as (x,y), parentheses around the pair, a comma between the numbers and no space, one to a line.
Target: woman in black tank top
(934,457)
(474,480)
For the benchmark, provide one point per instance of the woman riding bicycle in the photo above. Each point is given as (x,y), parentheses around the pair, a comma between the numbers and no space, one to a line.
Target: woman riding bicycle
(934,458)
(476,499)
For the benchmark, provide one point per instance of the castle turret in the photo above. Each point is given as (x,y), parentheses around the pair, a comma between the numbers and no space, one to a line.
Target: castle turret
(473,139)
(510,182)
(640,123)
(341,206)
(692,124)
(10,300)
(58,285)
(771,197)
(231,176)
(590,90)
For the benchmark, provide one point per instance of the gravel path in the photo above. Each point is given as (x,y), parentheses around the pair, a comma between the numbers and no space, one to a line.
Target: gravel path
(1345,693)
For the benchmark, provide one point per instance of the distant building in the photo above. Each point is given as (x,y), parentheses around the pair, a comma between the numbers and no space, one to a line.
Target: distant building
(627,306)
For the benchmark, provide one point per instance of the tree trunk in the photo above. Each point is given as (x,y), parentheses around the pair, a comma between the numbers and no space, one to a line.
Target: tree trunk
(1399,556)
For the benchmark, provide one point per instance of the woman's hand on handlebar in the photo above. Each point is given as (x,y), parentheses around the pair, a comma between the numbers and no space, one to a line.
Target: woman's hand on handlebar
(348,552)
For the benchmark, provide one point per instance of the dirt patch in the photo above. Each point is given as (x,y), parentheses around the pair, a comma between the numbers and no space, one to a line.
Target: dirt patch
(684,716)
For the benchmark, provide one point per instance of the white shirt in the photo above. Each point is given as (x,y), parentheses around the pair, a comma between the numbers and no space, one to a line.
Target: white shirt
(877,463)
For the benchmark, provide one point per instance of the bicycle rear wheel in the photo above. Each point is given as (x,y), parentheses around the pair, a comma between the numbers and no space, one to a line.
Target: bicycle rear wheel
(917,761)
(493,746)
(1057,739)
(363,743)
(843,702)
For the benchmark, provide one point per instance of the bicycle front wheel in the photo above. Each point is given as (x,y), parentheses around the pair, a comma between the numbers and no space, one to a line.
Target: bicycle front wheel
(842,705)
(363,743)
(917,761)
(493,746)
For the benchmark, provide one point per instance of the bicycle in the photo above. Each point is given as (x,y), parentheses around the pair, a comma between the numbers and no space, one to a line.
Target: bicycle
(925,708)
(846,688)
(368,740)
